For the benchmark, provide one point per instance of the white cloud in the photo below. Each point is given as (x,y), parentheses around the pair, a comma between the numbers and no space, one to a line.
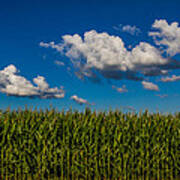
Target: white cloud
(59,63)
(150,86)
(108,55)
(129,108)
(133,30)
(170,79)
(58,47)
(79,100)
(41,83)
(122,89)
(168,36)
(13,84)
(101,53)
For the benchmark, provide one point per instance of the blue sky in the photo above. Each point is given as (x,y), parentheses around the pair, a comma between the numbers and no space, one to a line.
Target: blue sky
(24,25)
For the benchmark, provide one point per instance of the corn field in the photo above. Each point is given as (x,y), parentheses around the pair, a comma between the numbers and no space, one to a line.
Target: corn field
(36,144)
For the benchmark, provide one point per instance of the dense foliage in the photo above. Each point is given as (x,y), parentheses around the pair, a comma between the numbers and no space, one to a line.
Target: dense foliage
(89,145)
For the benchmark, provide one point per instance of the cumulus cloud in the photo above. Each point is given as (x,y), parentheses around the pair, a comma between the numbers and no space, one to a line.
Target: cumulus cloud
(95,54)
(168,35)
(59,63)
(122,89)
(13,84)
(171,79)
(79,100)
(150,86)
(133,30)
(107,54)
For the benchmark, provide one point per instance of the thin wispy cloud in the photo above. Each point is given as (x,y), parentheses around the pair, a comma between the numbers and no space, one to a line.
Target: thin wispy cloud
(133,30)
(122,89)
(170,79)
(129,108)
(59,63)
(52,44)
(44,57)
(12,84)
(162,95)
(79,100)
(150,86)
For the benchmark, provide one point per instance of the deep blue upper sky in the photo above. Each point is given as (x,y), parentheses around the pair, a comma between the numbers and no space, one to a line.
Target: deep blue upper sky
(24,24)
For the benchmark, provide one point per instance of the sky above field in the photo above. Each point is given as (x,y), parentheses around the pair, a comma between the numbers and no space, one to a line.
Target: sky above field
(101,54)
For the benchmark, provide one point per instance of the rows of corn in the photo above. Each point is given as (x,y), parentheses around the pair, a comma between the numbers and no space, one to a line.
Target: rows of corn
(89,145)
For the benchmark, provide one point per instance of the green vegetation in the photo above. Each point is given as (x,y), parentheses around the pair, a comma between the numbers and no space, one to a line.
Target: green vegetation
(89,145)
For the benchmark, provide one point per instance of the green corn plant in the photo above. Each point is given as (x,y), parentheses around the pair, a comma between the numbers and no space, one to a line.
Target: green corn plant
(37,144)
